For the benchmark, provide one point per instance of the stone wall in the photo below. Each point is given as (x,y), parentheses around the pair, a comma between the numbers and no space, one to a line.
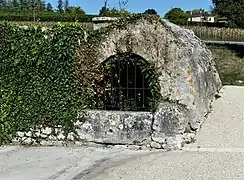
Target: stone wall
(133,129)
(101,22)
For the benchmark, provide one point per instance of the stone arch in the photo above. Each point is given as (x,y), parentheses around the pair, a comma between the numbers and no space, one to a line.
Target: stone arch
(188,81)
(126,84)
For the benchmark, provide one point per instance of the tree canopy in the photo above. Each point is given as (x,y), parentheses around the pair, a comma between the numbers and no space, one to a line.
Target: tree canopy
(25,5)
(151,11)
(177,16)
(231,9)
(75,10)
(104,11)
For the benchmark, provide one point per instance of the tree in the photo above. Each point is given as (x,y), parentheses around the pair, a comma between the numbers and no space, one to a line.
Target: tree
(151,11)
(60,6)
(113,12)
(105,3)
(15,4)
(66,5)
(37,4)
(177,16)
(75,10)
(3,4)
(123,4)
(233,10)
(31,5)
(42,5)
(104,11)
(23,4)
(49,7)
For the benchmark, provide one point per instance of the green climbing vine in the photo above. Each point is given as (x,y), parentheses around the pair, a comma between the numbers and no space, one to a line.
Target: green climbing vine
(38,78)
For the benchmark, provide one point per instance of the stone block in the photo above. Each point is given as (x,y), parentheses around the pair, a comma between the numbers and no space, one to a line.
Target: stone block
(169,119)
(156,145)
(113,127)
(47,130)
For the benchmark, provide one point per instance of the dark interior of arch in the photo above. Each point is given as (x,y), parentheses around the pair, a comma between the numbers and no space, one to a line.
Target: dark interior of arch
(125,84)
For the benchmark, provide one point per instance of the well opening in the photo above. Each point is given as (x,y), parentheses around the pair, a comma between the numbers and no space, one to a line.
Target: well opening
(125,85)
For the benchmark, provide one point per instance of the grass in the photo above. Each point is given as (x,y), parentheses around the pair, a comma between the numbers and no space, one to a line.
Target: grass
(230,64)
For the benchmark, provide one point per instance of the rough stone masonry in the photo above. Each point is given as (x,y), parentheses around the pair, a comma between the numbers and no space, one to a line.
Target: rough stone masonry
(188,83)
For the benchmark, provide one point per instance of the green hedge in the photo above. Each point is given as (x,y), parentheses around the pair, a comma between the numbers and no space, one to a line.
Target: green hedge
(38,78)
(15,15)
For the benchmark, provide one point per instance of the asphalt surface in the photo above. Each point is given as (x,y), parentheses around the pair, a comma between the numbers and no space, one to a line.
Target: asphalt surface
(218,153)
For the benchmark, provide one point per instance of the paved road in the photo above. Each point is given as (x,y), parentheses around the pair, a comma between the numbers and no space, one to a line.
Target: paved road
(58,163)
(217,154)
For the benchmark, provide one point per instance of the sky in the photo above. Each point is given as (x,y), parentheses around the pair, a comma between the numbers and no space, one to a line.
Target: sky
(137,6)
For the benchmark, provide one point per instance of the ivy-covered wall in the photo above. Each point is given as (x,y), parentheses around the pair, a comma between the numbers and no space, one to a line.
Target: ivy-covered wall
(38,78)
(49,77)
(43,83)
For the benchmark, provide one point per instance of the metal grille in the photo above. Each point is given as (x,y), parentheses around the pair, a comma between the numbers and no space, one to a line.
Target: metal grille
(125,86)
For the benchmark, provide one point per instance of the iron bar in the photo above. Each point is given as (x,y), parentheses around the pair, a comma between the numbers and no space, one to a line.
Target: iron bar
(125,86)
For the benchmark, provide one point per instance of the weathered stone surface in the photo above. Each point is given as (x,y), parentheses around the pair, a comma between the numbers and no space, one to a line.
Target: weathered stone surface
(52,138)
(101,22)
(156,145)
(159,137)
(47,130)
(71,136)
(27,140)
(61,137)
(189,137)
(188,77)
(37,134)
(29,134)
(169,119)
(114,127)
(20,134)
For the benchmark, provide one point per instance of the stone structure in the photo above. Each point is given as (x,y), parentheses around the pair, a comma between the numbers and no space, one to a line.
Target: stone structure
(188,84)
(188,81)
(101,22)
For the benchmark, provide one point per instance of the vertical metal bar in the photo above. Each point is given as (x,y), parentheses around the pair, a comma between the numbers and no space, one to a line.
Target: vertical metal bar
(143,90)
(111,85)
(117,99)
(119,88)
(127,67)
(135,86)
(104,90)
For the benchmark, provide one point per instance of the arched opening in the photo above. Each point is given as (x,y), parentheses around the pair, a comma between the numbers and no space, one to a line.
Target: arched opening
(126,84)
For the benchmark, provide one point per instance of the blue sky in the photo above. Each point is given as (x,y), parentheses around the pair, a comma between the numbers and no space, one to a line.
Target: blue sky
(161,6)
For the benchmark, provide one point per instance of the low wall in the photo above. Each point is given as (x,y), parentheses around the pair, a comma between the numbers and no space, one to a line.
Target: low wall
(143,129)
(117,127)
